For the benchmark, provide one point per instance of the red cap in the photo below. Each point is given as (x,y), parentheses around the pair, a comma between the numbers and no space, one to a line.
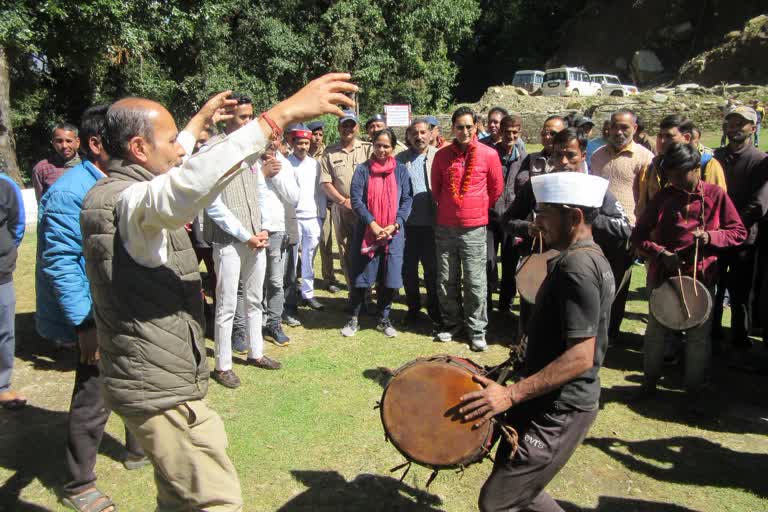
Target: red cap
(301,134)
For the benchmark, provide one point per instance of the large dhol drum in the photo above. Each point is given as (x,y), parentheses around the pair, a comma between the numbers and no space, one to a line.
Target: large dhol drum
(420,413)
(531,273)
(680,308)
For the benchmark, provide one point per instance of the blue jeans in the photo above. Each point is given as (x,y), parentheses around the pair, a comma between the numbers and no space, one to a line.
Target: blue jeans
(7,333)
(274,297)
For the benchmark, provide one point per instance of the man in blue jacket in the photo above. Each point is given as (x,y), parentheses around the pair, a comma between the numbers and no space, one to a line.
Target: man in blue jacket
(11,233)
(65,312)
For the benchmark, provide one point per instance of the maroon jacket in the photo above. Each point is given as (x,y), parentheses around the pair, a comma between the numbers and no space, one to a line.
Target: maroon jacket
(485,187)
(671,217)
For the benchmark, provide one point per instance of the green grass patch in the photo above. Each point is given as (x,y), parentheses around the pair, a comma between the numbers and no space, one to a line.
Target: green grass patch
(308,438)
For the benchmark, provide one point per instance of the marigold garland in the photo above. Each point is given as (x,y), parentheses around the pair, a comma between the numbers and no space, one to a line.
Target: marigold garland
(460,187)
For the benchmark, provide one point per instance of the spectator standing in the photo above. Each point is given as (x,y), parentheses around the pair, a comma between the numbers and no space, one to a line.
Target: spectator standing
(338,166)
(233,224)
(12,224)
(381,197)
(746,179)
(760,111)
(66,143)
(65,312)
(511,156)
(420,226)
(598,142)
(310,210)
(674,129)
(278,193)
(622,161)
(316,151)
(466,182)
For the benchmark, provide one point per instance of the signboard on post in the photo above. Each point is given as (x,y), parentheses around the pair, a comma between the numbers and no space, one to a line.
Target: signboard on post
(397,115)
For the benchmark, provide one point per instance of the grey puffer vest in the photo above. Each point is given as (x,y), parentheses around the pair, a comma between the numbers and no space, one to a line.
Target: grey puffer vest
(150,320)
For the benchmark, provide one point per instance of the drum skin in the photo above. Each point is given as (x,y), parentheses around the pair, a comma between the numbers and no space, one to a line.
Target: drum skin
(531,274)
(666,304)
(419,411)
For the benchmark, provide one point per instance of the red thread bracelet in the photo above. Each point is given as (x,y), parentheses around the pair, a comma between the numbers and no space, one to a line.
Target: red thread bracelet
(276,131)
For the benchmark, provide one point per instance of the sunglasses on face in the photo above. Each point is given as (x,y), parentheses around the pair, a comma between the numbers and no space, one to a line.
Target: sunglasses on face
(550,133)
(464,128)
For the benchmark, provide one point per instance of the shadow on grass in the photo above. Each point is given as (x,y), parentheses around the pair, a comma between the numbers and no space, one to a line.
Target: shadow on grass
(615,504)
(41,353)
(330,491)
(379,375)
(32,442)
(689,461)
(734,402)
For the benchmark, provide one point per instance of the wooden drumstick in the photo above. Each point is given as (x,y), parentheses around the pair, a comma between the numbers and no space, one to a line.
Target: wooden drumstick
(682,293)
(541,243)
(695,267)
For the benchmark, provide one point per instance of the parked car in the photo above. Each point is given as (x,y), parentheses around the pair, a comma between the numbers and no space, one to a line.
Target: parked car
(612,86)
(528,79)
(568,81)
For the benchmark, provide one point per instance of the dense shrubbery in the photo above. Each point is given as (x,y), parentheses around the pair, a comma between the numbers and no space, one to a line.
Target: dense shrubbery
(65,55)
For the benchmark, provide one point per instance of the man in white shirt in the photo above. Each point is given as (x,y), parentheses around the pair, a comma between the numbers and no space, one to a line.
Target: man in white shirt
(310,210)
(278,192)
(146,286)
(234,225)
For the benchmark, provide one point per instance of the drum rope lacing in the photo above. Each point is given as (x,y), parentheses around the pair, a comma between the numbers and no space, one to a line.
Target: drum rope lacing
(509,433)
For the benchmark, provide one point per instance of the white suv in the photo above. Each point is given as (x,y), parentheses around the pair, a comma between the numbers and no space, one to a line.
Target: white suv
(612,86)
(569,82)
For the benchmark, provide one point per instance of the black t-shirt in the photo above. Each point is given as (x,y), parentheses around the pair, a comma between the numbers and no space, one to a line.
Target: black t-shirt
(573,302)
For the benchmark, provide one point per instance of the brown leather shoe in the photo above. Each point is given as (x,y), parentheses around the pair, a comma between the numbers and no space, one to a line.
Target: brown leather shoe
(227,378)
(265,363)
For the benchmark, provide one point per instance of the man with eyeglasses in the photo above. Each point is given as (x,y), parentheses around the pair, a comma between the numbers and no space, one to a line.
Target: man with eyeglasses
(466,181)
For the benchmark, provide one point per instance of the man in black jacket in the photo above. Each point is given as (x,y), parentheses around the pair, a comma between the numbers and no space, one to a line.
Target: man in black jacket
(746,179)
(610,227)
(511,155)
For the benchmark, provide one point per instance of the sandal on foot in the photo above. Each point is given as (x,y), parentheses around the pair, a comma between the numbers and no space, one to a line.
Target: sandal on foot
(89,501)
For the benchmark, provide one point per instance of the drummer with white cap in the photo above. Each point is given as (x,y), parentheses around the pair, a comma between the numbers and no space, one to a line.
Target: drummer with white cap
(553,407)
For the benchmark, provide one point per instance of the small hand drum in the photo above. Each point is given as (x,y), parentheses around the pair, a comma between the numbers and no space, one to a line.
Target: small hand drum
(532,272)
(680,308)
(420,413)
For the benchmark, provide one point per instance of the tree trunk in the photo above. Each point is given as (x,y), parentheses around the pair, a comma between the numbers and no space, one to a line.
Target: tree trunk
(7,144)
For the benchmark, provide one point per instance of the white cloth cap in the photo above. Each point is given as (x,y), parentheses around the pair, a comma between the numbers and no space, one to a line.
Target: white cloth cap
(572,188)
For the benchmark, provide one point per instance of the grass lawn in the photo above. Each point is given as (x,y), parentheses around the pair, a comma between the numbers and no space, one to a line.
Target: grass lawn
(308,438)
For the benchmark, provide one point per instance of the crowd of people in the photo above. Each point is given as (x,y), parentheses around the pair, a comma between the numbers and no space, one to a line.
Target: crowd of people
(129,207)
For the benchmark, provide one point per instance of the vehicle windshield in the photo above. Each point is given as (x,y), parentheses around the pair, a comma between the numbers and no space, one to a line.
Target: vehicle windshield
(522,79)
(554,75)
(612,80)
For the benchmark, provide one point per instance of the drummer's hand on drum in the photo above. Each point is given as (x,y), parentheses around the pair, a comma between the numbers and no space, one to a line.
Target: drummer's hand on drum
(670,260)
(485,404)
(701,235)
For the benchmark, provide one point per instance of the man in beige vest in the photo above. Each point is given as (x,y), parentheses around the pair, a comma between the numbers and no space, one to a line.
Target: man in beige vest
(146,285)
(233,226)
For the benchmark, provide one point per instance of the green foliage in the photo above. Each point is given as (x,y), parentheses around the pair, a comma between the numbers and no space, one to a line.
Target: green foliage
(68,54)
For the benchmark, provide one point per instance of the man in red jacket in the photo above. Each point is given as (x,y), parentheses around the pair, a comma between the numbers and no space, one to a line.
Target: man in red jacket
(466,181)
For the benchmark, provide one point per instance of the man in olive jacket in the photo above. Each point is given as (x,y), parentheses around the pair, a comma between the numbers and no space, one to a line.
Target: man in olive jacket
(146,286)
